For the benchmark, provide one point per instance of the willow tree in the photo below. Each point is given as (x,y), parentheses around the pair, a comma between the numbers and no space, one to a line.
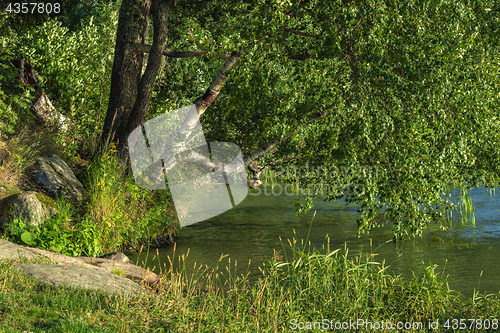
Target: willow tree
(385,103)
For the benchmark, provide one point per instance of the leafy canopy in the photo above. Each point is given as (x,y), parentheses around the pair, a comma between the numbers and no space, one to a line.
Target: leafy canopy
(410,89)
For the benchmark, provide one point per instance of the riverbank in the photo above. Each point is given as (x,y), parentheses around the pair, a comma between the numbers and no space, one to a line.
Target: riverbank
(112,273)
(311,289)
(465,254)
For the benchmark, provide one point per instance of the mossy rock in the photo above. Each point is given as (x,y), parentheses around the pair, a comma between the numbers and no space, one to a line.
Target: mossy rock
(30,207)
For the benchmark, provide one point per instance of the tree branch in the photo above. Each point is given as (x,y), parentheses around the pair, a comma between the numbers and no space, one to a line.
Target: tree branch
(265,149)
(248,159)
(302,56)
(203,102)
(256,173)
(145,48)
(185,131)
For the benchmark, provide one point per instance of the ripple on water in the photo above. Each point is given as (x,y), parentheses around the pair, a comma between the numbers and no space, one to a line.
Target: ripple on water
(252,230)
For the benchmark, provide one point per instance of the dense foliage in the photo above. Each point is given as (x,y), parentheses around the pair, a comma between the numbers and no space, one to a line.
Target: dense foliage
(73,67)
(409,89)
(393,101)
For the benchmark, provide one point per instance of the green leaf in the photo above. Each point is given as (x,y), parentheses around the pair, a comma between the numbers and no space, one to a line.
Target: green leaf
(28,238)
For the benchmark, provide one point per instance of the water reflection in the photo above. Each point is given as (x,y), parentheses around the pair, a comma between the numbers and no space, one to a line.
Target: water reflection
(253,229)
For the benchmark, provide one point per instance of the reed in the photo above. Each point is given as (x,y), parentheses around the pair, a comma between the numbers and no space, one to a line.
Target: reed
(465,207)
(305,287)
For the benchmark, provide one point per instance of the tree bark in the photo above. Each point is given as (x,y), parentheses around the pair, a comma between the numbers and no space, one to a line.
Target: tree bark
(133,27)
(145,89)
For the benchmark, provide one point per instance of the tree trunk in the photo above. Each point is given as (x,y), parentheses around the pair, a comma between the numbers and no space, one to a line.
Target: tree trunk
(131,85)
(145,89)
(133,27)
(42,108)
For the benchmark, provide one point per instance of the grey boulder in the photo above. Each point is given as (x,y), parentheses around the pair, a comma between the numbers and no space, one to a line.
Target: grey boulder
(82,277)
(85,272)
(118,257)
(30,207)
(53,173)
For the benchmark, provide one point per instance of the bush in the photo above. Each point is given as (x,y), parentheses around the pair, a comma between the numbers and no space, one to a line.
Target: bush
(59,234)
(74,69)
(124,214)
(14,100)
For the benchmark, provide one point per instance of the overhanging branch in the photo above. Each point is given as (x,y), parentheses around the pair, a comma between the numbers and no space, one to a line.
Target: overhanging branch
(185,131)
(248,159)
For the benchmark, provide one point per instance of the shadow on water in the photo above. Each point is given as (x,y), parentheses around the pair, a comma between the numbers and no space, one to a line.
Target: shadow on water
(253,229)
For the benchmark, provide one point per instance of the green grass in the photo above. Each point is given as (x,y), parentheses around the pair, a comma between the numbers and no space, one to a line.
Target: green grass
(309,287)
(117,215)
(125,215)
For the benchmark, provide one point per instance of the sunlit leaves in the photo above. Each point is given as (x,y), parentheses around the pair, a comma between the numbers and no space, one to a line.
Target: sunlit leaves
(74,67)
(411,87)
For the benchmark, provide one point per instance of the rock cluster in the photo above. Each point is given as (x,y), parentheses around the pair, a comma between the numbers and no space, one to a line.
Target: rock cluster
(113,272)
(55,177)
(117,275)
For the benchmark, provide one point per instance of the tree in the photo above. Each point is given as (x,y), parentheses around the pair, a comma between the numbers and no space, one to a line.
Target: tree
(77,13)
(388,102)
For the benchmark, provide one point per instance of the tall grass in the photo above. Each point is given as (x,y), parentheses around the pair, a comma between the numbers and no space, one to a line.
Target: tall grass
(123,213)
(269,176)
(465,207)
(105,191)
(16,157)
(311,288)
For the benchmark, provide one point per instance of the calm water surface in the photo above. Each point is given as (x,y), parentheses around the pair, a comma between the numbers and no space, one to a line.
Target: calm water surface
(253,229)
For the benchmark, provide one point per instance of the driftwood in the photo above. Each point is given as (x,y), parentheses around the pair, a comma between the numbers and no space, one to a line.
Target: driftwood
(42,108)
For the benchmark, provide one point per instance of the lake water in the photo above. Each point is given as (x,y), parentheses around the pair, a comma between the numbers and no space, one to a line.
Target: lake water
(253,229)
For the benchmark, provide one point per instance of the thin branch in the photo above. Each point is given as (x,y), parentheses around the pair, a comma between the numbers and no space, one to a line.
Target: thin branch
(302,56)
(145,48)
(265,149)
(248,159)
